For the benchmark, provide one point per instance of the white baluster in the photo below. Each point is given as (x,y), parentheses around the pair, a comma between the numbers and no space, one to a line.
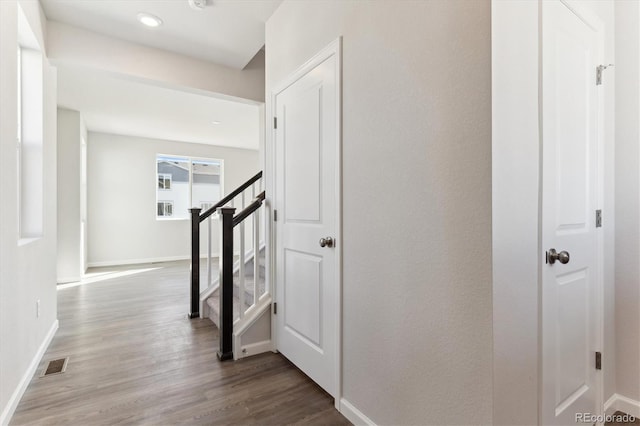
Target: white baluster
(209,234)
(256,253)
(241,281)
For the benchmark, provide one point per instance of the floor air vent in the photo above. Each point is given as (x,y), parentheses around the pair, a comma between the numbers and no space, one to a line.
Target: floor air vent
(56,366)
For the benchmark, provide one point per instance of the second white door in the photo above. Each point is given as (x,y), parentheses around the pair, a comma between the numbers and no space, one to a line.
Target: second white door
(307,227)
(570,277)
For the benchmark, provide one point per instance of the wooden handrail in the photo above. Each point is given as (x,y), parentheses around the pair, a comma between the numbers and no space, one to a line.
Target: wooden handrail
(255,205)
(230,197)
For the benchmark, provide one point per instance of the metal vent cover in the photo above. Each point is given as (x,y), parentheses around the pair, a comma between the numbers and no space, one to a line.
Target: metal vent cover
(56,366)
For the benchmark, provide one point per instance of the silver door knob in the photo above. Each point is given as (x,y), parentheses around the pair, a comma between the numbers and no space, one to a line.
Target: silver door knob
(562,257)
(326,242)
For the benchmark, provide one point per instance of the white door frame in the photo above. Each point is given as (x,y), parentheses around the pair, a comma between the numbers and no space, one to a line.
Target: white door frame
(333,49)
(594,21)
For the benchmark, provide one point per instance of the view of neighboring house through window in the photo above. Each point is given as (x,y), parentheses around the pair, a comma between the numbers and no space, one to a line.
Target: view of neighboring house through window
(164,181)
(184,182)
(165,208)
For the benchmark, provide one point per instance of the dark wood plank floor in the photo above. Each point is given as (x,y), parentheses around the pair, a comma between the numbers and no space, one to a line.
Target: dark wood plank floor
(134,358)
(620,414)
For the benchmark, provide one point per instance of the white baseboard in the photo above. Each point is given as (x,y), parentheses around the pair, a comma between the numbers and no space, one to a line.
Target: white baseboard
(141,261)
(609,406)
(622,403)
(65,280)
(11,406)
(253,349)
(354,415)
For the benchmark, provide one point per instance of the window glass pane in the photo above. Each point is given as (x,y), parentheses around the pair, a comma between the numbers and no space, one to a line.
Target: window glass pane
(173,186)
(206,183)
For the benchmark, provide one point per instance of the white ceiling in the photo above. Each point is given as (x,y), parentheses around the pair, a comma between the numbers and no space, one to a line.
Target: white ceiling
(115,105)
(227,32)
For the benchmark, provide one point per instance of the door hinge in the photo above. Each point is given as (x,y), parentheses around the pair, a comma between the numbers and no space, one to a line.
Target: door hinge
(275,215)
(275,122)
(599,70)
(598,360)
(598,218)
(275,308)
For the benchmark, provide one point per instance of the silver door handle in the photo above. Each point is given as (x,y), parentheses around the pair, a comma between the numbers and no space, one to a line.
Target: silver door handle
(326,242)
(562,257)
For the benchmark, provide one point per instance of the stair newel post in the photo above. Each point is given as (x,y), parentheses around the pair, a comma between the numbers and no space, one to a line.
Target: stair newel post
(226,284)
(194,310)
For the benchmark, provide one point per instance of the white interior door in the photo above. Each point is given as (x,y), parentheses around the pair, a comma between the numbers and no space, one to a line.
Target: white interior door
(570,129)
(307,205)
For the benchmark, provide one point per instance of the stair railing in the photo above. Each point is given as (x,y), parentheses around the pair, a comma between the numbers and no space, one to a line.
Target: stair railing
(229,222)
(239,195)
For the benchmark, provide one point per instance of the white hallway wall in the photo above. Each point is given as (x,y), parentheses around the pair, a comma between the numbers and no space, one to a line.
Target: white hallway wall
(71,131)
(515,166)
(627,249)
(122,197)
(27,272)
(416,202)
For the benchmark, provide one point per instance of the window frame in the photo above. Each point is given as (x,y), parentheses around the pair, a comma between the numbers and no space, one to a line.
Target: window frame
(30,133)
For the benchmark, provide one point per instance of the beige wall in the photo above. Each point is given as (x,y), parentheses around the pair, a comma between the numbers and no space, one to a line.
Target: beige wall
(416,199)
(27,271)
(627,249)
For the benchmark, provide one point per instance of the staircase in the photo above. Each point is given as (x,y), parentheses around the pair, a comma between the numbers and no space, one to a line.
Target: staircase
(238,301)
(251,287)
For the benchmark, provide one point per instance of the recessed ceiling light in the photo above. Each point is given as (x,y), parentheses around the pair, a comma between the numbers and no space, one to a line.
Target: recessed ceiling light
(198,4)
(215,122)
(149,20)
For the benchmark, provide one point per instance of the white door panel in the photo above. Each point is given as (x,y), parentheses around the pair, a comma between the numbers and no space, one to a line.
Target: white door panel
(569,201)
(306,199)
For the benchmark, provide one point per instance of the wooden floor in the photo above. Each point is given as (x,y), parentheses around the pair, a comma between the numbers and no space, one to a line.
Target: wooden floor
(635,422)
(134,358)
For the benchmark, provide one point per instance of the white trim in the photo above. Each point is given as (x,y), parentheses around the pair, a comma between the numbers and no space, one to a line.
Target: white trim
(354,415)
(11,406)
(609,406)
(622,403)
(253,349)
(252,314)
(142,261)
(333,49)
(136,261)
(65,280)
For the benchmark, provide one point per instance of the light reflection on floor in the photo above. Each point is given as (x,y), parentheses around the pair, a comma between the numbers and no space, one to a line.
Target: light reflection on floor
(98,276)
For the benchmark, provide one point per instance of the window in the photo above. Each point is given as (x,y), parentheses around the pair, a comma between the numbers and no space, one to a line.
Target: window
(186,182)
(30,134)
(164,181)
(165,209)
